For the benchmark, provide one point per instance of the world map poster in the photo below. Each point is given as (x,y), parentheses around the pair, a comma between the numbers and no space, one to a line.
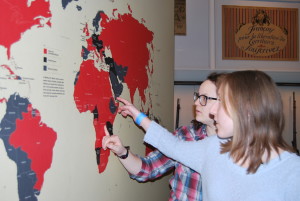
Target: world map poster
(62,66)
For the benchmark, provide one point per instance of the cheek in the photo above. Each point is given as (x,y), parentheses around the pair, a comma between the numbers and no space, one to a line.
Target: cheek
(222,116)
(226,125)
(214,108)
(219,112)
(207,112)
(219,116)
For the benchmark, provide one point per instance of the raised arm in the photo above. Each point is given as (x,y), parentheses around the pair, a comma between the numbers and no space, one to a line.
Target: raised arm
(162,139)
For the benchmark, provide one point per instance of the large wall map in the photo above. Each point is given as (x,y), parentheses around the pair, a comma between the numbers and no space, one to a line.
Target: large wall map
(116,52)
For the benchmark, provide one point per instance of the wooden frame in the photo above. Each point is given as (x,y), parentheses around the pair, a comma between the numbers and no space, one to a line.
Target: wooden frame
(180,17)
(259,33)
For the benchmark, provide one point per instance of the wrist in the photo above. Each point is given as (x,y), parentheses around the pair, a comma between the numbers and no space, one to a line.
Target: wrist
(124,155)
(140,117)
(123,152)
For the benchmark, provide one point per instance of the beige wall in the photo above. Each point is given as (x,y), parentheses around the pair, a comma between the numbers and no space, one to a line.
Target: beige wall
(73,175)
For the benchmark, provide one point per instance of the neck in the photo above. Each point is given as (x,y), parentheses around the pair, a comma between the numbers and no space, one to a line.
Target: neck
(264,158)
(211,130)
(273,154)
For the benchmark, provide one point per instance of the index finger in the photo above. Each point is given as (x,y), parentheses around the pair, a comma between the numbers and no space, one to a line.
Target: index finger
(124,101)
(106,131)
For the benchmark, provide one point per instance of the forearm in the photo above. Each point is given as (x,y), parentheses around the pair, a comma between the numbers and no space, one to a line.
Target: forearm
(184,152)
(132,163)
(145,123)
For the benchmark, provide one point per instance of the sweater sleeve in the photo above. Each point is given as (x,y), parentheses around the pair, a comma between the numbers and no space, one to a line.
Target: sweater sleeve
(191,154)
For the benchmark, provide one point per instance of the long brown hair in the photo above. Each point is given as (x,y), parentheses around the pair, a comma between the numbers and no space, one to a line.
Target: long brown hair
(255,106)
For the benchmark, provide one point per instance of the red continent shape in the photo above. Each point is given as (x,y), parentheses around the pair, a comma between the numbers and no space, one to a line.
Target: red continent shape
(127,40)
(37,140)
(93,90)
(16,17)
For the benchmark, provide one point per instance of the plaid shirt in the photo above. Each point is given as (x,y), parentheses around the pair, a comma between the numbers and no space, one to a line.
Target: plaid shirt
(185,183)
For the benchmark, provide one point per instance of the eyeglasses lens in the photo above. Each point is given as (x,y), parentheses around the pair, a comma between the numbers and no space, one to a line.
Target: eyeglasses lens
(202,99)
(195,96)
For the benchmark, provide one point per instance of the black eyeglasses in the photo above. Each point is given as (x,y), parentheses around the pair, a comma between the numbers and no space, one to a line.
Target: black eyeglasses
(202,98)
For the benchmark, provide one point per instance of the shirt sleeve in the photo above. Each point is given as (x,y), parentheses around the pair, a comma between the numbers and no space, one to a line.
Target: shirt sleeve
(153,166)
(191,154)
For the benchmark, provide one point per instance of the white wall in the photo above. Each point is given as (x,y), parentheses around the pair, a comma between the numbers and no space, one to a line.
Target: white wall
(199,52)
(192,49)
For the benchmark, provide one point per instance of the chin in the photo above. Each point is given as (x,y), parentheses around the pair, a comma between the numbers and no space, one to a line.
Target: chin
(199,119)
(222,135)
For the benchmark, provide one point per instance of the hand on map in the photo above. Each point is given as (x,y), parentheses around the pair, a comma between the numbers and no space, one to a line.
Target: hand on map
(128,109)
(113,142)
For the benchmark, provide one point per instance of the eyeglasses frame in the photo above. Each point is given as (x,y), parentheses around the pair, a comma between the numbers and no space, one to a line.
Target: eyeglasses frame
(197,96)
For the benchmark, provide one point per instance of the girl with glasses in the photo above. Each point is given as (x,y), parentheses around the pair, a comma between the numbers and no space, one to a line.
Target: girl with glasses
(248,159)
(185,183)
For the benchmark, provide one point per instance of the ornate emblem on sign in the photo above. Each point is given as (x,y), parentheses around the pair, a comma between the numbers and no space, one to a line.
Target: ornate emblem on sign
(261,37)
(260,33)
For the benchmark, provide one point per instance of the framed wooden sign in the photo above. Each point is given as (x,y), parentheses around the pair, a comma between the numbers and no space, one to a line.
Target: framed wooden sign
(180,17)
(260,33)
